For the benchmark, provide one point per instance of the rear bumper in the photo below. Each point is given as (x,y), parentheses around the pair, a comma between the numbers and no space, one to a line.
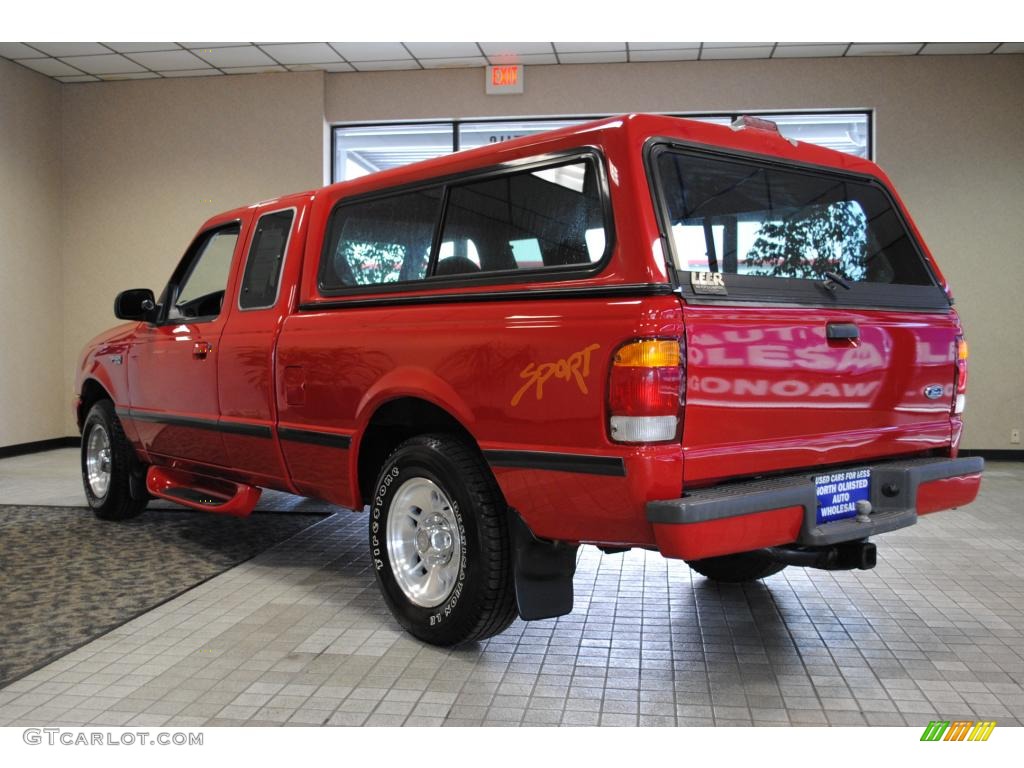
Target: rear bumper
(738,517)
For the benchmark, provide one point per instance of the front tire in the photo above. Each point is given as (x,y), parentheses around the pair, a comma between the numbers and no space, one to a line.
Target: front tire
(440,542)
(738,568)
(107,463)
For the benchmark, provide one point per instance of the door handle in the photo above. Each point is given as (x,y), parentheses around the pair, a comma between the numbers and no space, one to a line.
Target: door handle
(842,332)
(201,349)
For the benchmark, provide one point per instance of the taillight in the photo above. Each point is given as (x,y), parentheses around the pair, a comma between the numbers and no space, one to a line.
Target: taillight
(645,391)
(961,375)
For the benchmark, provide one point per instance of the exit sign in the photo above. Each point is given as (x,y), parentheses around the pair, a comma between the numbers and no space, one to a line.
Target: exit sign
(505,78)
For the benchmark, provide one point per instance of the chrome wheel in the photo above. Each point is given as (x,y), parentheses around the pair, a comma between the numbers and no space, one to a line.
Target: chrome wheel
(97,461)
(424,543)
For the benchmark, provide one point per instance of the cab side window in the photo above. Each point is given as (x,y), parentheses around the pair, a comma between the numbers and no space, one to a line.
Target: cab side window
(262,277)
(199,295)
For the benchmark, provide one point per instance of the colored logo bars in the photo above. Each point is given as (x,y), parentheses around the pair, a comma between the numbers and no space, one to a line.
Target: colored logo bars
(958,730)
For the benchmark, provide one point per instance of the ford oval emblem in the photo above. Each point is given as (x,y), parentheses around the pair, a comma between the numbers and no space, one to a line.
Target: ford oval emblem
(933,391)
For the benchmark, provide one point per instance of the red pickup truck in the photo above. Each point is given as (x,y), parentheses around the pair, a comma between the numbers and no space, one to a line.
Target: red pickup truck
(714,342)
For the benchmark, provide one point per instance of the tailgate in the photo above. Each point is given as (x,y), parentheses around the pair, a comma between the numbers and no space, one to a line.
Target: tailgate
(767,390)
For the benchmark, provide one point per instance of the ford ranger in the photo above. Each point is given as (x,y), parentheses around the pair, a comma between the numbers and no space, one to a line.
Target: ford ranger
(714,342)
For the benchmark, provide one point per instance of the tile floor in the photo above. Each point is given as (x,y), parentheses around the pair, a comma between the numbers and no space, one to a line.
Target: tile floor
(298,636)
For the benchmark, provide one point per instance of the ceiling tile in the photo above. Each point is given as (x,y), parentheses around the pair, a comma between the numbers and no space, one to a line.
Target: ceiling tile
(301,53)
(371,51)
(883,49)
(69,49)
(110,64)
(589,47)
(443,50)
(50,67)
(736,45)
(1010,48)
(524,58)
(79,79)
(377,66)
(330,66)
(253,70)
(130,76)
(660,46)
(818,50)
(504,49)
(19,51)
(751,52)
(142,47)
(807,42)
(212,45)
(208,72)
(943,48)
(678,54)
(593,57)
(169,60)
(245,56)
(454,62)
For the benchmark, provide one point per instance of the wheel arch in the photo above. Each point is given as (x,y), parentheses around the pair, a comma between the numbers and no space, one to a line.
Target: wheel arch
(391,423)
(92,392)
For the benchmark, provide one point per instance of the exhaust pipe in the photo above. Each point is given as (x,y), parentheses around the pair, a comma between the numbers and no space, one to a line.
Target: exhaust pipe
(848,556)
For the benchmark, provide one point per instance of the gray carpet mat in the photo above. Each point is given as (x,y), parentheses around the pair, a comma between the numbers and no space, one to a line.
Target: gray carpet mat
(67,577)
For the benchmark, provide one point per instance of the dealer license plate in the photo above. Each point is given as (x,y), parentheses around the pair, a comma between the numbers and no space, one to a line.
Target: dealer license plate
(839,492)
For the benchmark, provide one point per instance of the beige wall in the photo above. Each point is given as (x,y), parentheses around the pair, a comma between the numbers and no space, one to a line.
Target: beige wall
(950,133)
(32,402)
(145,162)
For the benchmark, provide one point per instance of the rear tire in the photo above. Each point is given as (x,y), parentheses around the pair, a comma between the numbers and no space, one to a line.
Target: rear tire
(738,568)
(440,542)
(108,460)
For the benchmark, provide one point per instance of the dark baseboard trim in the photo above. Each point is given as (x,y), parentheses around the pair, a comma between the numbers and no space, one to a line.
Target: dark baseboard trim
(40,445)
(995,455)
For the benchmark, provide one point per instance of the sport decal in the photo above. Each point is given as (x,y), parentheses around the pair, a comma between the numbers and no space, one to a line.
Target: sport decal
(575,367)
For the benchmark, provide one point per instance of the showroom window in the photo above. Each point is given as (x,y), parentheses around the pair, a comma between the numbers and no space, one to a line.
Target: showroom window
(363,149)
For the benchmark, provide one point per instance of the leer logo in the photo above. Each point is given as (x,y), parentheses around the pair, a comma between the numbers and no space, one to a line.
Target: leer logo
(958,730)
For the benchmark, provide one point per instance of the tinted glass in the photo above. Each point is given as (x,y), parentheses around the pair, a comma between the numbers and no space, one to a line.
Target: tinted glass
(536,219)
(376,242)
(745,218)
(201,294)
(263,267)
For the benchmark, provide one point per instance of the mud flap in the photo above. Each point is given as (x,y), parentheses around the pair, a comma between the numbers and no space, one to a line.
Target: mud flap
(543,573)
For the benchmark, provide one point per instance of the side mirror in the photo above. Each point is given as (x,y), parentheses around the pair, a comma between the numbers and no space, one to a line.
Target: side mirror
(136,304)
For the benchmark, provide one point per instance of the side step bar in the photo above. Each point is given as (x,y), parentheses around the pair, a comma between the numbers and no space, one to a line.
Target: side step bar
(203,493)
